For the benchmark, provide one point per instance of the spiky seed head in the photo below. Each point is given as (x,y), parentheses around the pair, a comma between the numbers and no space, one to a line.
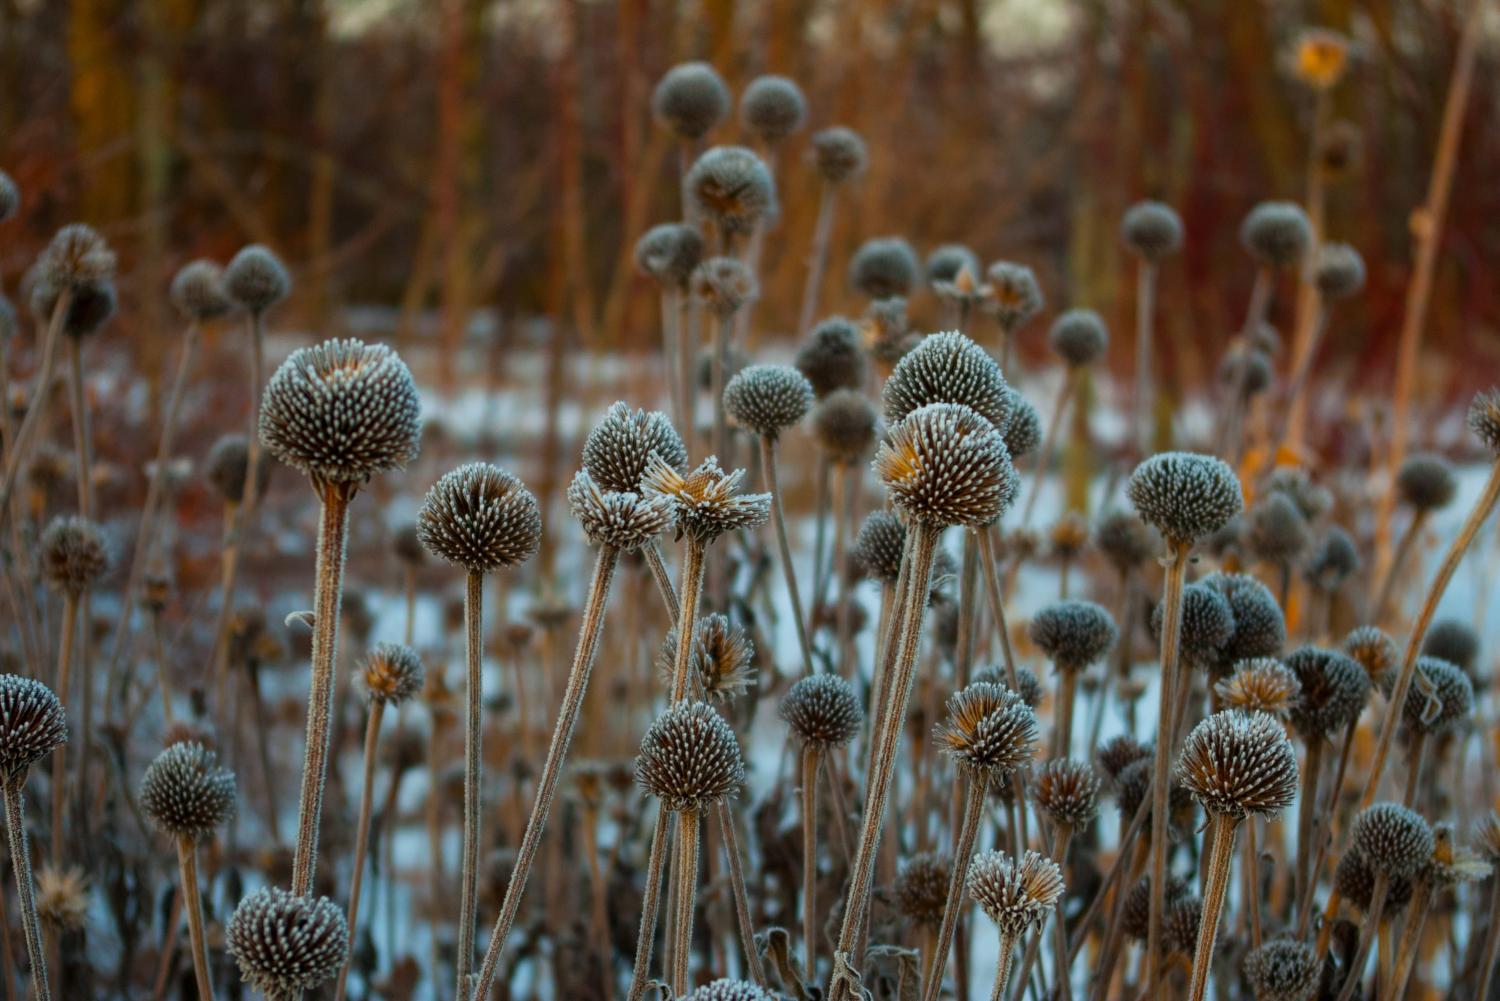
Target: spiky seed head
(884,267)
(1023,432)
(1283,969)
(1393,840)
(1487,835)
(839,154)
(1354,880)
(1067,791)
(767,399)
(73,554)
(284,943)
(342,411)
(845,425)
(922,888)
(948,368)
(706,499)
(945,263)
(392,673)
(1136,910)
(1259,626)
(879,545)
(1376,652)
(822,711)
(1120,752)
(772,108)
(946,465)
(228,465)
(1124,539)
(1185,496)
(619,448)
(1276,234)
(1017,296)
(186,792)
(1073,634)
(1484,419)
(1334,691)
(1238,763)
(722,658)
(1450,703)
(199,293)
(690,100)
(76,258)
(1028,685)
(256,279)
(1340,271)
(1079,337)
(481,518)
(10,197)
(623,519)
(1152,230)
(1133,786)
(1017,896)
(1261,684)
(1320,57)
(1453,640)
(32,723)
(690,758)
(1278,531)
(1180,924)
(989,730)
(730,990)
(1334,561)
(669,253)
(1426,481)
(1207,624)
(91,306)
(832,357)
(732,188)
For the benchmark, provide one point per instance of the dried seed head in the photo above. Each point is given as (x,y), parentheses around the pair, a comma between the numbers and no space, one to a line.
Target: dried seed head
(1133,786)
(1261,684)
(1238,763)
(1392,839)
(625,520)
(1185,496)
(767,399)
(946,261)
(73,555)
(1067,791)
(948,368)
(32,724)
(1259,626)
(186,793)
(256,279)
(730,990)
(732,188)
(1151,229)
(989,730)
(690,99)
(228,465)
(1023,433)
(392,673)
(1451,701)
(1028,685)
(838,153)
(1016,896)
(722,658)
(1073,634)
(1136,913)
(946,465)
(883,267)
(199,293)
(619,448)
(62,897)
(284,943)
(1340,271)
(1207,624)
(822,711)
(10,197)
(1180,924)
(1484,419)
(669,253)
(922,888)
(1079,337)
(1312,500)
(1120,752)
(1017,296)
(1453,863)
(1276,234)
(1278,532)
(1426,481)
(1376,652)
(1335,559)
(481,518)
(879,545)
(1354,881)
(1124,539)
(342,411)
(1334,691)
(76,258)
(690,759)
(772,108)
(1068,535)
(91,305)
(1283,969)
(723,285)
(706,499)
(1453,640)
(832,358)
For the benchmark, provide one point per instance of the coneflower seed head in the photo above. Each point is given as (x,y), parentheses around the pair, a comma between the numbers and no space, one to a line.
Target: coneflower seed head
(256,279)
(481,518)
(879,546)
(822,710)
(691,99)
(1152,230)
(1238,763)
(989,730)
(838,153)
(690,758)
(1276,234)
(706,499)
(1453,640)
(1017,896)
(186,792)
(1334,691)
(199,293)
(73,555)
(1392,839)
(619,448)
(1074,634)
(767,399)
(884,267)
(948,368)
(1426,481)
(392,673)
(33,723)
(732,187)
(1017,296)
(946,465)
(1283,969)
(669,253)
(284,943)
(1261,684)
(772,108)
(1185,496)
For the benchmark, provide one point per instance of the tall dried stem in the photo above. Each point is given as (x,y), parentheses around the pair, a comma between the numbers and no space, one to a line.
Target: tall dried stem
(1145,314)
(789,572)
(362,836)
(1049,443)
(650,905)
(1397,565)
(40,397)
(59,757)
(963,851)
(1223,825)
(187,863)
(473,753)
(1177,556)
(817,258)
(20,863)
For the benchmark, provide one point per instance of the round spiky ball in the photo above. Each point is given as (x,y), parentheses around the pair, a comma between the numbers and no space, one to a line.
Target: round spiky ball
(228,465)
(1120,752)
(879,545)
(1073,634)
(1151,229)
(832,358)
(1180,924)
(1017,896)
(1283,969)
(669,253)
(1393,840)
(342,411)
(946,261)
(722,658)
(884,267)
(1278,531)
(1340,271)
(1484,419)
(1453,640)
(1333,561)
(624,519)
(284,943)
(1125,540)
(1238,763)
(1023,432)
(76,258)
(838,153)
(1426,481)
(1376,652)
(706,499)
(1259,626)
(186,793)
(822,710)
(1334,691)
(922,888)
(1079,337)
(1451,701)
(256,279)
(690,99)
(767,399)
(948,368)
(1017,296)
(690,758)
(199,291)
(731,187)
(1354,880)
(481,518)
(723,285)
(73,554)
(1185,496)
(946,465)
(772,108)
(1067,791)
(989,730)
(392,673)
(10,197)
(33,723)
(618,449)
(1276,234)
(1207,624)
(730,990)
(1261,684)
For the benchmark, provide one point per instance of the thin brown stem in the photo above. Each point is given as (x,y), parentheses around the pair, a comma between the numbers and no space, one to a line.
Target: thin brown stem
(1145,313)
(743,921)
(816,260)
(41,395)
(1411,939)
(687,616)
(963,851)
(1213,902)
(687,896)
(650,904)
(473,762)
(20,863)
(1397,565)
(788,571)
(1049,443)
(187,861)
(1373,916)
(60,757)
(1002,967)
(1312,767)
(1177,556)
(361,836)
(811,762)
(1491,940)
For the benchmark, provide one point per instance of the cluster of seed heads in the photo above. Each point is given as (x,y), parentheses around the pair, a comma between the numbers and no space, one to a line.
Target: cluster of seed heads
(1074,634)
(690,758)
(624,519)
(706,499)
(284,943)
(883,267)
(186,792)
(481,518)
(619,448)
(989,730)
(822,710)
(33,724)
(1259,625)
(1017,896)
(73,554)
(948,368)
(946,465)
(768,399)
(1238,763)
(1184,496)
(392,673)
(1334,690)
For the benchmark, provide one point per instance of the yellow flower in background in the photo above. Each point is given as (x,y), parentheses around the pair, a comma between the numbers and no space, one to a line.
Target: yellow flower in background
(1321,58)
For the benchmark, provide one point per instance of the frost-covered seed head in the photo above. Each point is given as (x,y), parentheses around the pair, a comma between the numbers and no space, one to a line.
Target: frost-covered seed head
(33,724)
(1207,624)
(1017,296)
(732,188)
(1283,969)
(1120,752)
(1426,481)
(845,425)
(1074,634)
(1276,234)
(228,465)
(1125,540)
(1334,691)
(284,943)
(989,730)
(722,658)
(76,258)
(838,154)
(772,108)
(481,518)
(1068,535)
(767,399)
(1151,229)
(1185,496)
(73,554)
(256,279)
(1016,896)
(690,759)
(1484,419)
(948,368)
(1180,924)
(1376,652)
(730,990)
(186,793)
(832,358)
(669,253)
(1354,880)
(619,448)
(1340,271)
(1393,840)
(945,263)
(1261,684)
(1453,640)
(1023,432)
(723,285)
(884,267)
(1238,763)
(1451,701)
(391,673)
(706,499)
(199,293)
(922,888)
(690,100)
(623,519)
(1278,532)
(822,710)
(946,465)
(1079,337)
(1067,791)
(1335,559)
(1259,626)
(879,546)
